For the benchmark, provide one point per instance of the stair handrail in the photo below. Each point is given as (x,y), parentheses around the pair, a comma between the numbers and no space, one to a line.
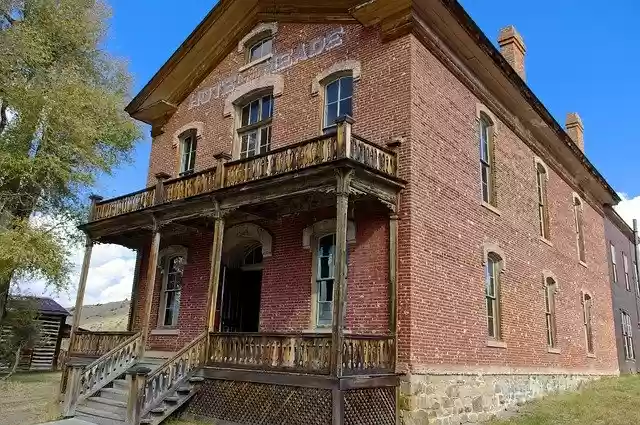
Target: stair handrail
(172,373)
(104,370)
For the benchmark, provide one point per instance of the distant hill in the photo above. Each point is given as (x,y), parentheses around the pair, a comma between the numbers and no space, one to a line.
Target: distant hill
(104,317)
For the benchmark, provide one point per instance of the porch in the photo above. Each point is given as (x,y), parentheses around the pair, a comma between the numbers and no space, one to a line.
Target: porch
(273,278)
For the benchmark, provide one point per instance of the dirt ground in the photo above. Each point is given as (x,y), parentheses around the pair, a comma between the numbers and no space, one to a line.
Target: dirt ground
(28,399)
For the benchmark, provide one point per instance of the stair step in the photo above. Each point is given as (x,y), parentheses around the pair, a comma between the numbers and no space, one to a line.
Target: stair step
(196,379)
(96,420)
(106,404)
(172,399)
(183,390)
(146,421)
(159,410)
(88,411)
(168,410)
(114,394)
(121,384)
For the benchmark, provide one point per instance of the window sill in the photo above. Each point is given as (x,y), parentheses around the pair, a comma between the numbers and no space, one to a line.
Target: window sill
(591,355)
(255,62)
(583,264)
(553,350)
(496,344)
(165,331)
(491,208)
(546,241)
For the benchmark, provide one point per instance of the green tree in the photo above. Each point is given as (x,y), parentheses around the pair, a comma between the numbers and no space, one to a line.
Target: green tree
(62,123)
(19,330)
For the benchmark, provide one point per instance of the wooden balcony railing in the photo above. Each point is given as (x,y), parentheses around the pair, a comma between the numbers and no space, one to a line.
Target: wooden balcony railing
(301,353)
(317,151)
(96,344)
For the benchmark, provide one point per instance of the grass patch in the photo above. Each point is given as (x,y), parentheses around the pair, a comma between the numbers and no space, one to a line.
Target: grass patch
(29,398)
(609,401)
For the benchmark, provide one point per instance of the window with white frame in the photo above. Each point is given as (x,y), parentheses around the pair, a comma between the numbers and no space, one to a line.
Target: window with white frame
(492,270)
(627,337)
(550,310)
(260,49)
(255,126)
(486,160)
(614,263)
(171,288)
(625,268)
(579,223)
(337,101)
(543,207)
(587,304)
(325,279)
(188,147)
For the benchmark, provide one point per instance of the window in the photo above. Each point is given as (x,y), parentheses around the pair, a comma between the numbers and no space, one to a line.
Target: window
(550,311)
(325,279)
(253,257)
(337,101)
(625,267)
(260,49)
(492,294)
(627,337)
(588,330)
(171,287)
(614,265)
(188,146)
(255,130)
(579,222)
(543,209)
(486,160)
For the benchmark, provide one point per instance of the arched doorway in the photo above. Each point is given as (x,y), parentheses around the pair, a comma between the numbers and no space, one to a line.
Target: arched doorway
(244,249)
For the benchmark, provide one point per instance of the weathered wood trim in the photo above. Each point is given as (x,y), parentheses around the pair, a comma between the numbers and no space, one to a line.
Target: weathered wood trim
(152,267)
(134,289)
(214,275)
(393,272)
(82,286)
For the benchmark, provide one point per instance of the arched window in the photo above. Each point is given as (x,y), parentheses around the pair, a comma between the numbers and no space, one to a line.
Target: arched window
(171,287)
(486,160)
(337,101)
(579,223)
(260,48)
(550,311)
(188,146)
(255,126)
(253,257)
(325,279)
(587,304)
(543,208)
(492,269)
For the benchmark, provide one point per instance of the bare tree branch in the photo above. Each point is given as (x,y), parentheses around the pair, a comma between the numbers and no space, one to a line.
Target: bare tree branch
(9,18)
(3,115)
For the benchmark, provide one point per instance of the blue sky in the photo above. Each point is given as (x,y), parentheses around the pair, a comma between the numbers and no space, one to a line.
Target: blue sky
(580,57)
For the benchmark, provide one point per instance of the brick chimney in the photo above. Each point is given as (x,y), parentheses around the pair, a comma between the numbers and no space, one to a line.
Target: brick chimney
(575,129)
(513,49)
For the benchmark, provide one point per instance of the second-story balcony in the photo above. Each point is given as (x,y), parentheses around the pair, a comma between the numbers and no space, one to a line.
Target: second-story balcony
(299,167)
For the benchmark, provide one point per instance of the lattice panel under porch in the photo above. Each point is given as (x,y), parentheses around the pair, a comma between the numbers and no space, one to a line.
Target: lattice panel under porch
(250,403)
(372,406)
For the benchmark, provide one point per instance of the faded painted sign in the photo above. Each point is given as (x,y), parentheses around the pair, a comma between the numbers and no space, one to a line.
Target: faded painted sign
(280,61)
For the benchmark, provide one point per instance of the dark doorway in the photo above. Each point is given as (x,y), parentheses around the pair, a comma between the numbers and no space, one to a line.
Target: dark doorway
(240,309)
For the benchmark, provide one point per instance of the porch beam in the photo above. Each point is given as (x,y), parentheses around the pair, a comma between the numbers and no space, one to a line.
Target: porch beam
(340,270)
(152,268)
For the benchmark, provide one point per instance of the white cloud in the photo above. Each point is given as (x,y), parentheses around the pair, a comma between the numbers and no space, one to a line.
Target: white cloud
(110,277)
(629,208)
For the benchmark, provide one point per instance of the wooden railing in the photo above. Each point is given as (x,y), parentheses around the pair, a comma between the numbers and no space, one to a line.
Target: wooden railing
(168,377)
(304,353)
(368,355)
(341,145)
(84,381)
(96,344)
(124,204)
(291,158)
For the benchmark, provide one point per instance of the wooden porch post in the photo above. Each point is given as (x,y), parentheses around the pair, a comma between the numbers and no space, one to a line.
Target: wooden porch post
(340,288)
(152,267)
(214,273)
(393,272)
(84,274)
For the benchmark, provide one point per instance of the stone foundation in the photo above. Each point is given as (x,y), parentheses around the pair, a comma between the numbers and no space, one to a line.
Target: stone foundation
(462,399)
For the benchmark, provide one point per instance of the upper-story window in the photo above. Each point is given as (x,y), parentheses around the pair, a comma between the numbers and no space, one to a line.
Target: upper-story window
(625,268)
(579,227)
(493,266)
(486,160)
(260,49)
(337,101)
(543,208)
(614,263)
(188,147)
(255,130)
(587,304)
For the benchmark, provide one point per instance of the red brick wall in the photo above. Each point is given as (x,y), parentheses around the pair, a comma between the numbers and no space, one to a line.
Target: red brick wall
(447,317)
(297,113)
(286,282)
